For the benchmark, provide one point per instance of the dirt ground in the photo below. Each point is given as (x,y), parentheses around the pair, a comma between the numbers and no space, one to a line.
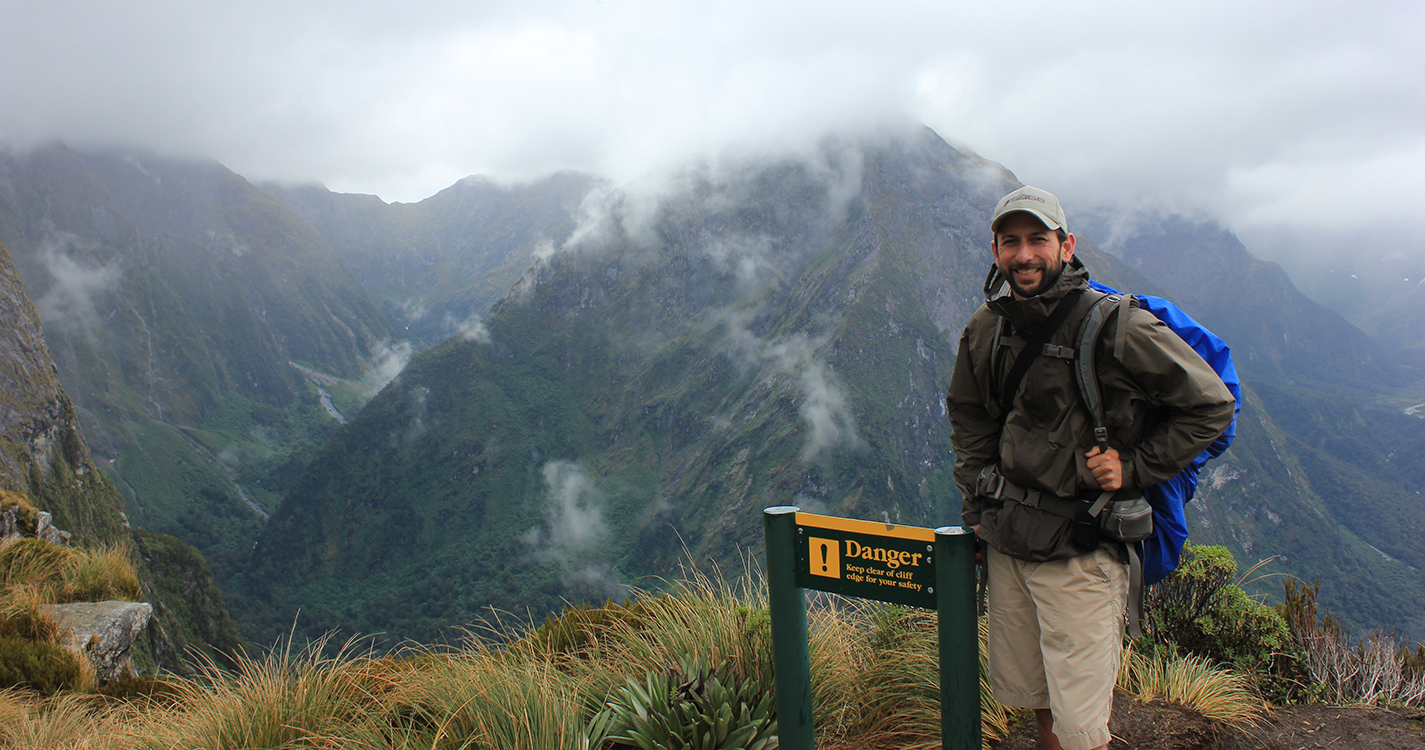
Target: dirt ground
(1163,726)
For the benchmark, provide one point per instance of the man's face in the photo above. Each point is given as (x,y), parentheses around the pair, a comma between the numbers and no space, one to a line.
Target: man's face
(1029,254)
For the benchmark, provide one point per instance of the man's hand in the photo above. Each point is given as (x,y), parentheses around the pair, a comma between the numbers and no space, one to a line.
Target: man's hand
(1107,468)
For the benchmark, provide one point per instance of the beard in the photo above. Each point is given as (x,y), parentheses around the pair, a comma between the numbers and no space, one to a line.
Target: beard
(1049,274)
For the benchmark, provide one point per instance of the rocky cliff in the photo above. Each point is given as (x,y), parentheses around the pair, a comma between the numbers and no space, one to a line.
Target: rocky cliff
(43,455)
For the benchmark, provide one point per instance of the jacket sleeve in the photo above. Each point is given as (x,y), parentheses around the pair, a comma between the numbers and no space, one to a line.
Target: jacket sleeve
(1173,377)
(974,432)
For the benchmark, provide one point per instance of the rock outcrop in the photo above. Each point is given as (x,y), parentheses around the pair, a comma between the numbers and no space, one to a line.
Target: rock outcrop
(103,633)
(42,453)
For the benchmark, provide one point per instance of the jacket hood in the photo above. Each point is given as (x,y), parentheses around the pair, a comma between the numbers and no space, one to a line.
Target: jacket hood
(1024,314)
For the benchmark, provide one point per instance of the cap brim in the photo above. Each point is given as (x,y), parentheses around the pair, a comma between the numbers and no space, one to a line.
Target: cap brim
(1043,219)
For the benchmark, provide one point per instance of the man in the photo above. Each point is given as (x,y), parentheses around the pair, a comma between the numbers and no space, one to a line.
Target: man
(1029,464)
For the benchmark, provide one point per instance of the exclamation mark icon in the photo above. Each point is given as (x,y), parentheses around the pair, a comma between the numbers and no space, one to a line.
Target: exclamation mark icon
(829,564)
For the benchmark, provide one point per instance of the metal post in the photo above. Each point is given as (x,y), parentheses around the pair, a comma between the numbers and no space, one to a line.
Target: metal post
(959,638)
(787,606)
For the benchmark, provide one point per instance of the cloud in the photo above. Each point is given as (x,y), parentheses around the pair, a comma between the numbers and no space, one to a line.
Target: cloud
(387,361)
(77,284)
(574,530)
(1260,117)
(824,407)
(470,329)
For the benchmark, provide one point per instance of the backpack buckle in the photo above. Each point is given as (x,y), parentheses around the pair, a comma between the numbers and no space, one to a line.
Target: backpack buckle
(990,483)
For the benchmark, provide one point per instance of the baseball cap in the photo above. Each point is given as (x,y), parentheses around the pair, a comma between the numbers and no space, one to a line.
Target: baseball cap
(1041,203)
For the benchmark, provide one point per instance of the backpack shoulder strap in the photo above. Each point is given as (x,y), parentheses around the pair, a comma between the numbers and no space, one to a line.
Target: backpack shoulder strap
(1087,377)
(1033,346)
(1084,369)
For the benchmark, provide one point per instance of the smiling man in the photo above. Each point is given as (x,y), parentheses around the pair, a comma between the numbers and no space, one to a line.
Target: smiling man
(1038,480)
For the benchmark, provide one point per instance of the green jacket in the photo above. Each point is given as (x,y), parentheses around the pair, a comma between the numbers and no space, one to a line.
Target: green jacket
(1163,405)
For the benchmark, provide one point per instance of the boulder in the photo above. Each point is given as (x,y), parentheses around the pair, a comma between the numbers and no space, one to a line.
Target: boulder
(45,529)
(103,632)
(9,527)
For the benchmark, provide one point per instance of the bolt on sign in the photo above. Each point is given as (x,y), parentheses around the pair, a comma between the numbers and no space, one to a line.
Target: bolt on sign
(866,559)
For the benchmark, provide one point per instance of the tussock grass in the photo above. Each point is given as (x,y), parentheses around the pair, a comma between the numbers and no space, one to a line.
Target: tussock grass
(487,698)
(68,722)
(1222,695)
(875,675)
(100,574)
(288,699)
(67,574)
(899,687)
(35,574)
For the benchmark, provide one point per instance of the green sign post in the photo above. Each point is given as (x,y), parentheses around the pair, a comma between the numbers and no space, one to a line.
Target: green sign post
(906,565)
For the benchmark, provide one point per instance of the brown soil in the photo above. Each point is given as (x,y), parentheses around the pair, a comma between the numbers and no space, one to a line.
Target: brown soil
(1165,726)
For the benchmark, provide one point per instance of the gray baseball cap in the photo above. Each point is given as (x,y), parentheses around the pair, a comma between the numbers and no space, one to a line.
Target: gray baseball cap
(1041,203)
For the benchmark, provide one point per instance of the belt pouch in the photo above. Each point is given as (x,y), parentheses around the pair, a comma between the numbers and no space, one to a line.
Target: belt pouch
(1084,531)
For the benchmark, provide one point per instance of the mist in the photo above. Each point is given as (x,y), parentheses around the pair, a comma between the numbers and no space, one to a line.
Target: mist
(1263,116)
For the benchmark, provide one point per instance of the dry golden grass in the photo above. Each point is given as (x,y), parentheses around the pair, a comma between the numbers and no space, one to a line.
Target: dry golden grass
(70,722)
(1219,694)
(67,574)
(875,673)
(286,699)
(488,698)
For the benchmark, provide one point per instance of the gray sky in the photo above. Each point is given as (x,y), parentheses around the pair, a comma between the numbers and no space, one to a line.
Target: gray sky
(1291,121)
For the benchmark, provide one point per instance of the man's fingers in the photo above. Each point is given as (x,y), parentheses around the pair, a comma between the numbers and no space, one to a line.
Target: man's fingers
(1092,452)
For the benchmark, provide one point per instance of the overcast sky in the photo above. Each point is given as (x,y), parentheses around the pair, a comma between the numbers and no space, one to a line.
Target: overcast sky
(1296,123)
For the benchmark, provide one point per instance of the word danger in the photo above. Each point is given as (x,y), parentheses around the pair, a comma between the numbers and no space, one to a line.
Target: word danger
(892,558)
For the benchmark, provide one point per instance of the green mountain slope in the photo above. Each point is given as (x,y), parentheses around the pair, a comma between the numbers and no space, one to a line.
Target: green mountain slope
(43,456)
(437,265)
(687,362)
(768,334)
(176,299)
(1277,333)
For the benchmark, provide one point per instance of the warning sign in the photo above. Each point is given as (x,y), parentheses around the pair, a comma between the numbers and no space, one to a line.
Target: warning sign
(886,562)
(824,556)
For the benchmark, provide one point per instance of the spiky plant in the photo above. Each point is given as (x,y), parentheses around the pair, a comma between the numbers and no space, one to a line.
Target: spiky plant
(690,707)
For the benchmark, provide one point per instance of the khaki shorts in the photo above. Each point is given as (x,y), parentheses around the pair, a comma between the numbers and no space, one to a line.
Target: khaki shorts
(1055,638)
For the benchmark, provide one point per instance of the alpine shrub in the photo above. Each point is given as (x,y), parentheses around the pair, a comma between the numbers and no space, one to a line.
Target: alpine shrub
(39,666)
(1199,610)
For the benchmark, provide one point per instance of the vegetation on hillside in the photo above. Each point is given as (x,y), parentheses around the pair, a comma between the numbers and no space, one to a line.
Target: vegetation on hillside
(35,574)
(693,660)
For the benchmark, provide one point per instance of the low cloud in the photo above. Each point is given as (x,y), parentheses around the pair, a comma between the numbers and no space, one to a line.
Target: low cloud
(419,422)
(824,407)
(470,329)
(574,530)
(387,361)
(71,300)
(575,520)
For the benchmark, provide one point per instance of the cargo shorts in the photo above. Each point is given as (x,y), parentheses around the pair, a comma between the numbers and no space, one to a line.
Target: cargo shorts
(1055,639)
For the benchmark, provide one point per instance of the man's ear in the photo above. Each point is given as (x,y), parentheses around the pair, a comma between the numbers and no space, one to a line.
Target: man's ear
(1067,249)
(994,249)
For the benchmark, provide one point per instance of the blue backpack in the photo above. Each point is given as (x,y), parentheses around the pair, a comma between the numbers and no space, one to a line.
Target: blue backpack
(1160,552)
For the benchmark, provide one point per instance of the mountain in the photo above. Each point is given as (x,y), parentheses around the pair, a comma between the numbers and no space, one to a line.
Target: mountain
(1277,332)
(759,335)
(436,266)
(1400,322)
(42,450)
(43,456)
(196,322)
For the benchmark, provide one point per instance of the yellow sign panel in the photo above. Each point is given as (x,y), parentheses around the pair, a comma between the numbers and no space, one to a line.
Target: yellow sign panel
(824,558)
(872,528)
(888,562)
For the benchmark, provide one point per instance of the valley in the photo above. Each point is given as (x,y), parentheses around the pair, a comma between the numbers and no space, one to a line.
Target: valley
(400,418)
